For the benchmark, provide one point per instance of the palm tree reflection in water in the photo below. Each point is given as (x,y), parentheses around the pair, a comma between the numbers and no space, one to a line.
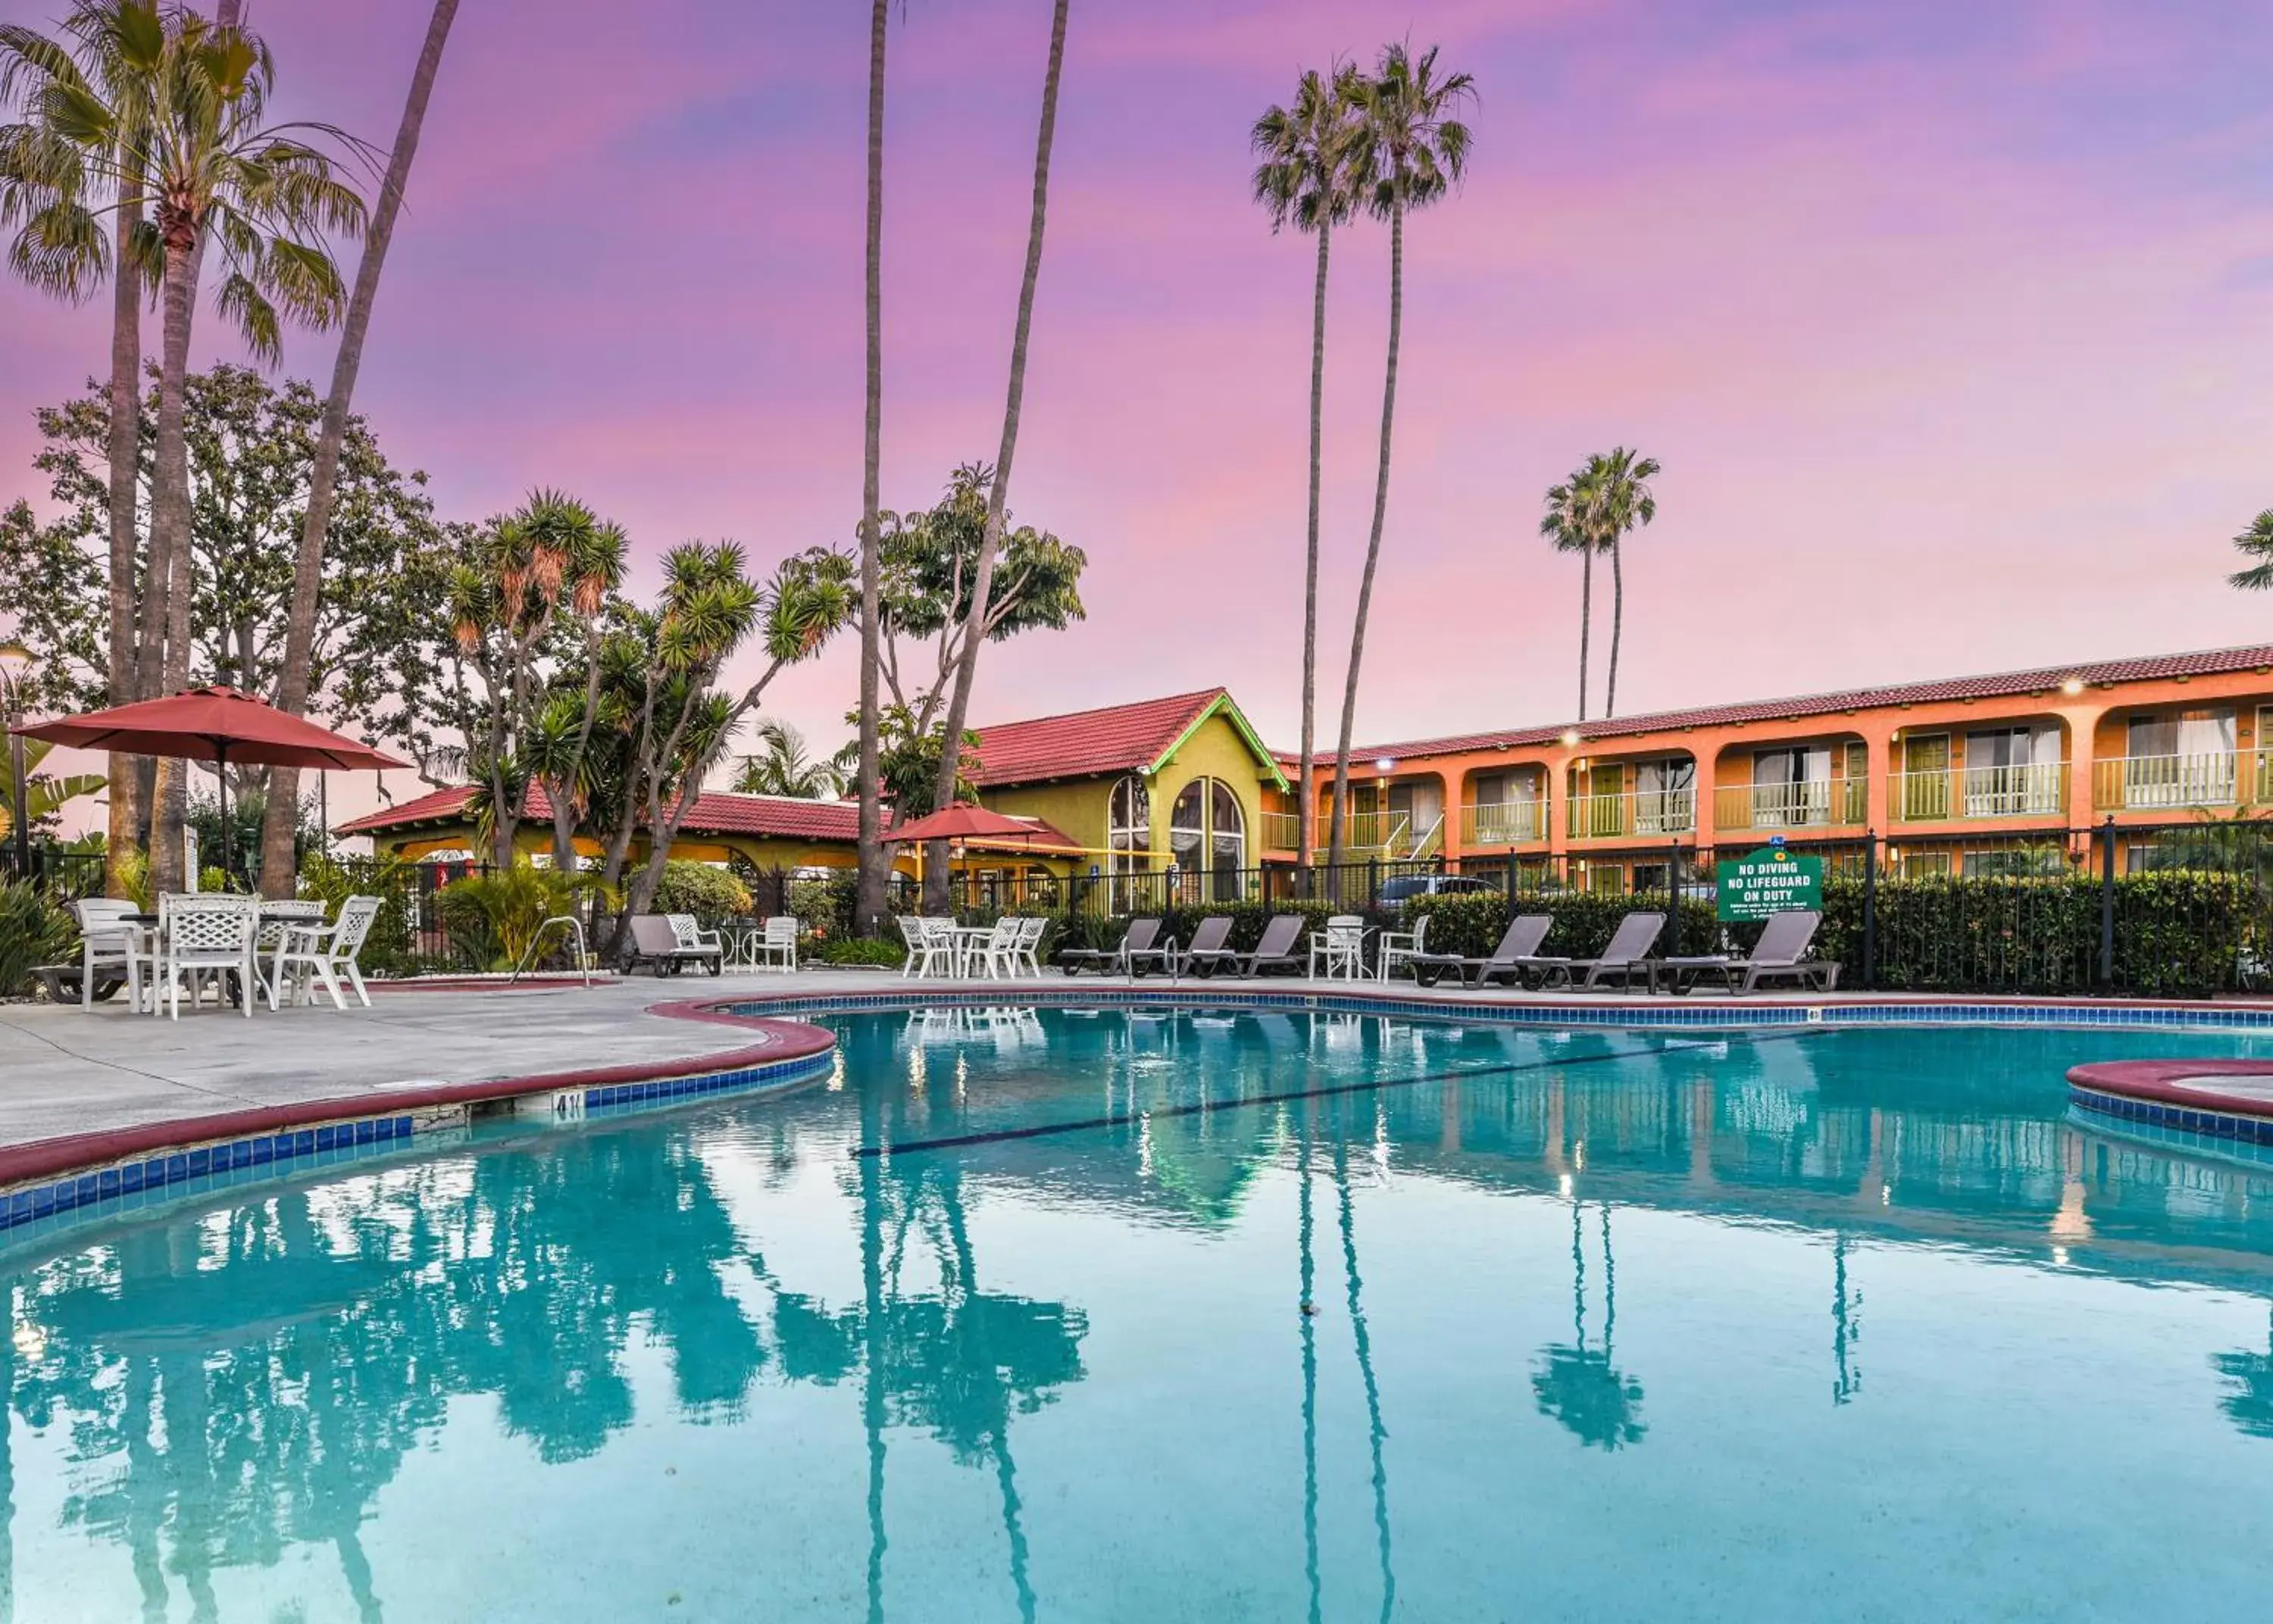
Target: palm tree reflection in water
(2248,1404)
(1581,1386)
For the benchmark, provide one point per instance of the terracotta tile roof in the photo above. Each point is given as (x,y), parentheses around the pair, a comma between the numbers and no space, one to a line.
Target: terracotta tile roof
(1119,738)
(2206,662)
(712,814)
(779,817)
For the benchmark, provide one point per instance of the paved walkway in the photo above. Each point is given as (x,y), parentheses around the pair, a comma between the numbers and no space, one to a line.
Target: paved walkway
(65,1070)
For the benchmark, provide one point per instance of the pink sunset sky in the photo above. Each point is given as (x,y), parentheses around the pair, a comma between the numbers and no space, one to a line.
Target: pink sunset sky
(1949,322)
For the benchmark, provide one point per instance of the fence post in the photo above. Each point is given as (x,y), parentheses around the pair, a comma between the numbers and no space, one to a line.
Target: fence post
(1373,882)
(1673,898)
(1869,909)
(2107,906)
(1511,882)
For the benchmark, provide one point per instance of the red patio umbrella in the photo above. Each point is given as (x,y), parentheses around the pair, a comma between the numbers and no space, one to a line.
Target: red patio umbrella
(220,725)
(966,821)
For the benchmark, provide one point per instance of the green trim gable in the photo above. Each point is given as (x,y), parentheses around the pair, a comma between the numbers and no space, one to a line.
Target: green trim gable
(1222,706)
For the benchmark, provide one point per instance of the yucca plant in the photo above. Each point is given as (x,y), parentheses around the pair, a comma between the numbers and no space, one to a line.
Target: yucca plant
(32,931)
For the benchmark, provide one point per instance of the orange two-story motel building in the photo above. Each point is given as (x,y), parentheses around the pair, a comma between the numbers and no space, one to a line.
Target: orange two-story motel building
(1953,775)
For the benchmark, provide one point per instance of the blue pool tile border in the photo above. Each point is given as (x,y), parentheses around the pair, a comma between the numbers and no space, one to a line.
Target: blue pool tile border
(1714,1016)
(42,1208)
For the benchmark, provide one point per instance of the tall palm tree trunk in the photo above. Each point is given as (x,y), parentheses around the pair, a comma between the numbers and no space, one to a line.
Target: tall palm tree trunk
(1306,789)
(958,705)
(869,896)
(124,775)
(1617,624)
(280,820)
(1337,835)
(1585,621)
(169,549)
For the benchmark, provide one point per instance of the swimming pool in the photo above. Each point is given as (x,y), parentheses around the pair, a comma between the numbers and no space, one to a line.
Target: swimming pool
(1187,1314)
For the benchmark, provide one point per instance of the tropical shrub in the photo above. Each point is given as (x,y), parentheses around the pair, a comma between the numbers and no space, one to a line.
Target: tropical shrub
(710,893)
(32,931)
(494,920)
(856,950)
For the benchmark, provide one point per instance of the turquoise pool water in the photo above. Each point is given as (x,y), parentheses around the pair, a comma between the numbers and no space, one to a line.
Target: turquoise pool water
(1794,1326)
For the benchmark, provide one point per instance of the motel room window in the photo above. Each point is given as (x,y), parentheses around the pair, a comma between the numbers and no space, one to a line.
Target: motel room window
(2012,770)
(2179,758)
(1129,827)
(1791,784)
(1207,835)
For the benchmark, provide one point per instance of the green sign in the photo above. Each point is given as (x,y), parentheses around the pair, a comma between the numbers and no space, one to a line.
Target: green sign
(1768,881)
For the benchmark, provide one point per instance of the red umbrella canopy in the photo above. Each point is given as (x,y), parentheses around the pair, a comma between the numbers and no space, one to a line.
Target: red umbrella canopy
(966,821)
(211,724)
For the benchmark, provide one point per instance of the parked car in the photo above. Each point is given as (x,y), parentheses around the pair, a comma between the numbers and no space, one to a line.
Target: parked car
(1405,887)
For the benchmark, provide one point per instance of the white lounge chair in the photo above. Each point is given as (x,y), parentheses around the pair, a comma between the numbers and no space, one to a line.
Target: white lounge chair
(324,953)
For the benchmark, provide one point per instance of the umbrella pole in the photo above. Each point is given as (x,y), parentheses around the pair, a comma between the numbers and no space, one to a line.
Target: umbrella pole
(221,772)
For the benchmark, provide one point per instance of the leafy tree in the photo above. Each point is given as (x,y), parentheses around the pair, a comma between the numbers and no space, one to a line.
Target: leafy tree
(525,598)
(928,589)
(781,766)
(966,668)
(1303,174)
(308,569)
(1410,152)
(908,763)
(251,448)
(663,666)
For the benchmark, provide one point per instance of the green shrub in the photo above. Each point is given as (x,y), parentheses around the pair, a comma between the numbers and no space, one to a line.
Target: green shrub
(710,893)
(494,920)
(32,931)
(854,950)
(825,906)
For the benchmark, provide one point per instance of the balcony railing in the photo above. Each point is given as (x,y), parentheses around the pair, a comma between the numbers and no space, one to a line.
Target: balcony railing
(2037,791)
(2132,783)
(1822,803)
(1368,834)
(1503,823)
(1633,813)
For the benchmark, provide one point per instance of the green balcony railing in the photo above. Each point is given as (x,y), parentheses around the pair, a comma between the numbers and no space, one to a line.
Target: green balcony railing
(2038,790)
(1503,823)
(1816,804)
(2135,783)
(1633,813)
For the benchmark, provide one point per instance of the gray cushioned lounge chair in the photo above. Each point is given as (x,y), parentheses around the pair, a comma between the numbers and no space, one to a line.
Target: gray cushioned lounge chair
(1516,958)
(1626,956)
(1781,954)
(1140,938)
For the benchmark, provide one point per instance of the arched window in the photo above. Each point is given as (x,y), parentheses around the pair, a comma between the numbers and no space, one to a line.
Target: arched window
(1207,836)
(1129,827)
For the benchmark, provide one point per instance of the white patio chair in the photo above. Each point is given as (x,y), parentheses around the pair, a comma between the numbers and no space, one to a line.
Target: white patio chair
(777,945)
(274,917)
(942,947)
(1029,961)
(207,937)
(109,944)
(697,944)
(1397,947)
(1339,949)
(998,954)
(911,933)
(323,953)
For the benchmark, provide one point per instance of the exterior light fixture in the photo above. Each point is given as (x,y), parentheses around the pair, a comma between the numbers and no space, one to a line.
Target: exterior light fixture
(2072,686)
(1570,737)
(1385,764)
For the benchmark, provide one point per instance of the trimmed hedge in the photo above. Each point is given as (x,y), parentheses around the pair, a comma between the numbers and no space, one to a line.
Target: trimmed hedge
(1471,922)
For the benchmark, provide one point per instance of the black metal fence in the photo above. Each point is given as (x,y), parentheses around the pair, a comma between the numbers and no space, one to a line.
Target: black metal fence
(2180,909)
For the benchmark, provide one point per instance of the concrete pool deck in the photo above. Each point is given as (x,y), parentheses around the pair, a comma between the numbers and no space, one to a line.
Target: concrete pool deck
(66,1071)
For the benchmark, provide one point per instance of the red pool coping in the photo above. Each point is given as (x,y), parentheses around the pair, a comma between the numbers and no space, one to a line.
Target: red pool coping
(48,1158)
(2157,1081)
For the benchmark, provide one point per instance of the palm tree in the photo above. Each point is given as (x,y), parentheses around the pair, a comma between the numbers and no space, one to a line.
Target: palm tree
(1304,175)
(276,843)
(780,766)
(1626,502)
(958,705)
(61,249)
(2257,543)
(1569,523)
(875,862)
(215,171)
(1410,152)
